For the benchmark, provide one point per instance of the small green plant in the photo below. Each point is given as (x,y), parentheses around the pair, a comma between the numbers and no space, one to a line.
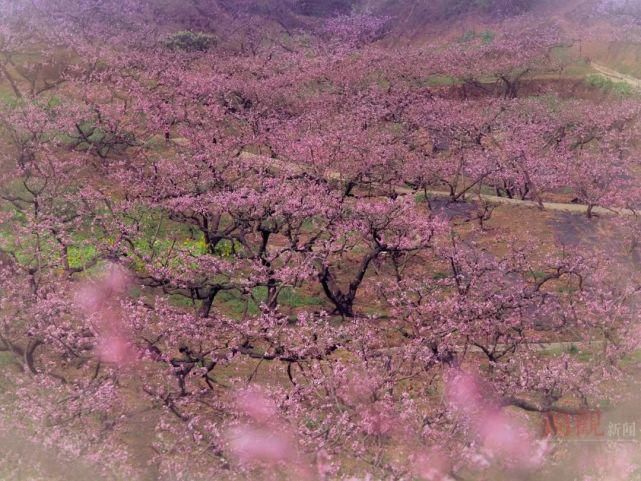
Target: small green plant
(572,349)
(190,41)
(227,248)
(486,36)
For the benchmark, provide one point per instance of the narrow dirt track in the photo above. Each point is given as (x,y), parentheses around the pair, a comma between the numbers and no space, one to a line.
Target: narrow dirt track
(616,76)
(553,206)
(492,199)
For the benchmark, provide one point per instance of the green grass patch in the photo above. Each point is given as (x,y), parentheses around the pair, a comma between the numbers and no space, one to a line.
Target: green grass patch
(439,276)
(6,358)
(563,53)
(294,298)
(634,358)
(237,304)
(177,300)
(576,69)
(571,349)
(190,41)
(80,256)
(225,248)
(7,96)
(441,81)
(605,84)
(485,36)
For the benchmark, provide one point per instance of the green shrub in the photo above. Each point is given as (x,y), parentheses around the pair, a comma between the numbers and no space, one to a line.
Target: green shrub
(190,41)
(486,36)
(608,85)
(80,256)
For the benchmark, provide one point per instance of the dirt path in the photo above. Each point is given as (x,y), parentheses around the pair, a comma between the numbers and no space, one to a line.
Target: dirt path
(616,76)
(549,348)
(553,206)
(492,199)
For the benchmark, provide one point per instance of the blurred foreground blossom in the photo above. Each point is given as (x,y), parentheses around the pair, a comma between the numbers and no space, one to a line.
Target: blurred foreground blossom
(100,301)
(260,445)
(263,438)
(501,436)
(433,465)
(616,462)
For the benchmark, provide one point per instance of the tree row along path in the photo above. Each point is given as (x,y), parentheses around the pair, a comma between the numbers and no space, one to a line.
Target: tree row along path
(560,346)
(492,199)
(553,206)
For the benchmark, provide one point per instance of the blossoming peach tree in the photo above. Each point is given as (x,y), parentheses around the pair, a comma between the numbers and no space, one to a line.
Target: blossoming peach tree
(217,263)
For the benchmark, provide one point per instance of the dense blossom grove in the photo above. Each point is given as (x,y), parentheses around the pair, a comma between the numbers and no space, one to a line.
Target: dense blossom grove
(241,242)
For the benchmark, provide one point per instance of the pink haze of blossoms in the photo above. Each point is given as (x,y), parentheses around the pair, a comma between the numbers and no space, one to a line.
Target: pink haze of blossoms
(99,300)
(325,263)
(501,436)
